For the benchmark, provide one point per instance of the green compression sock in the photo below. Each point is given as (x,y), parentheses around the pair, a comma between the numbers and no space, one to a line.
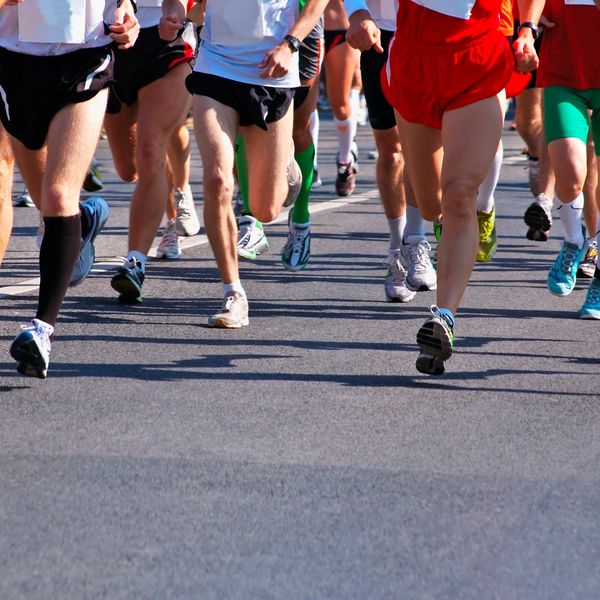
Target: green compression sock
(242,172)
(305,161)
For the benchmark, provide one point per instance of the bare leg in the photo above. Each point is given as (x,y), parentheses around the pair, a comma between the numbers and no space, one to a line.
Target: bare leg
(7,162)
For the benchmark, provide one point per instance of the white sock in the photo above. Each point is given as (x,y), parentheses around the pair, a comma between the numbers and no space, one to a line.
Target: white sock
(415,225)
(396,232)
(138,257)
(355,105)
(234,286)
(314,130)
(343,131)
(485,194)
(570,217)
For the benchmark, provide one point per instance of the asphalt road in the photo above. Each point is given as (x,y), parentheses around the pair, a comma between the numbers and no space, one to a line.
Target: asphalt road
(303,456)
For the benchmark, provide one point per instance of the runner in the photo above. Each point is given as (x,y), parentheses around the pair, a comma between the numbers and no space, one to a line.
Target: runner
(372,26)
(340,63)
(54,117)
(570,75)
(455,112)
(244,77)
(147,108)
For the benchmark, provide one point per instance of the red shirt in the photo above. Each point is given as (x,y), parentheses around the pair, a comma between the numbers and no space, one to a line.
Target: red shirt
(425,25)
(570,53)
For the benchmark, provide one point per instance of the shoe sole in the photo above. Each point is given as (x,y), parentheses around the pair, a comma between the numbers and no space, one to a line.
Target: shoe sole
(165,256)
(536,235)
(398,300)
(430,365)
(30,363)
(589,316)
(129,292)
(536,218)
(487,257)
(221,323)
(434,341)
(421,288)
(292,269)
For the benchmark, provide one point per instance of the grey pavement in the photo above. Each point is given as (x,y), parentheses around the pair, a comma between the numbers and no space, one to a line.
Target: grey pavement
(303,456)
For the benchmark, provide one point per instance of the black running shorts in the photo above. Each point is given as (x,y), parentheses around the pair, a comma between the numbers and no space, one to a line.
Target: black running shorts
(310,55)
(34,88)
(381,113)
(256,104)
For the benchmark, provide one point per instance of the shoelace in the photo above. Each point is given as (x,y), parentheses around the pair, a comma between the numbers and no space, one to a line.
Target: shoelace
(396,269)
(568,259)
(419,256)
(487,227)
(170,237)
(593,295)
(298,241)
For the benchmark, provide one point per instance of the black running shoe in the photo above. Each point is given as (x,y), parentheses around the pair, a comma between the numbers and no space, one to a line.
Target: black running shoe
(128,282)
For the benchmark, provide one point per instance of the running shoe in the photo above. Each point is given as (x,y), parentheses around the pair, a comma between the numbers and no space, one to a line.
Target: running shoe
(420,274)
(187,222)
(591,306)
(252,241)
(168,247)
(345,180)
(588,265)
(128,282)
(563,274)
(437,230)
(93,181)
(317,182)
(294,179)
(436,341)
(296,252)
(31,349)
(238,205)
(23,199)
(533,169)
(395,286)
(234,312)
(96,211)
(538,217)
(487,236)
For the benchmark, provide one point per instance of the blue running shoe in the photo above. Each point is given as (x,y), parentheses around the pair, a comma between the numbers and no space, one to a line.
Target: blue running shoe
(31,349)
(563,274)
(96,211)
(128,282)
(591,306)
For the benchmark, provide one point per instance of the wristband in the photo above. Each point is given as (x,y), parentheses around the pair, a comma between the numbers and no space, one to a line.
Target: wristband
(529,25)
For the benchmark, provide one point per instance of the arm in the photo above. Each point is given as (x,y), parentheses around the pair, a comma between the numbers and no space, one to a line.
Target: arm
(276,61)
(362,34)
(526,58)
(174,12)
(126,28)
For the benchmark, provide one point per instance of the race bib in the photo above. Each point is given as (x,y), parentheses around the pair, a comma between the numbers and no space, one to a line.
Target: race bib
(154,3)
(387,9)
(52,21)
(236,22)
(580,2)
(460,9)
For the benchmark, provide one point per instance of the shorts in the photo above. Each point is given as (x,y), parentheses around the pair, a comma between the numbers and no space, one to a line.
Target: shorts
(333,38)
(255,104)
(311,54)
(381,113)
(422,81)
(147,61)
(34,88)
(566,114)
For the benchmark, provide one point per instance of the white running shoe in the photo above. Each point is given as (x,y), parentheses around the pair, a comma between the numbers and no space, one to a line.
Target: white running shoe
(296,252)
(421,275)
(31,349)
(24,199)
(252,241)
(395,280)
(187,221)
(234,312)
(168,247)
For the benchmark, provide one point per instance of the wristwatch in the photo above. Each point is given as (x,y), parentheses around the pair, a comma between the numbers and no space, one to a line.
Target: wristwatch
(532,26)
(293,42)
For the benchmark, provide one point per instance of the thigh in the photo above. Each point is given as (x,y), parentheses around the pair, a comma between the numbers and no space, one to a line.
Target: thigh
(470,137)
(340,64)
(565,114)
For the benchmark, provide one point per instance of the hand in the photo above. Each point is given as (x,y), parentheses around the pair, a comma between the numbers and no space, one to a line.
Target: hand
(526,58)
(126,28)
(169,26)
(363,34)
(4,3)
(276,62)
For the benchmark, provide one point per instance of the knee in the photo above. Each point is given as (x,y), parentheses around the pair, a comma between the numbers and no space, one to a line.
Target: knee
(458,198)
(127,173)
(390,159)
(265,212)
(218,184)
(341,111)
(150,155)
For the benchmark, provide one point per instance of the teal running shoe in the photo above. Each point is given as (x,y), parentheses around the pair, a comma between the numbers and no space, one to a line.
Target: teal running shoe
(591,306)
(563,274)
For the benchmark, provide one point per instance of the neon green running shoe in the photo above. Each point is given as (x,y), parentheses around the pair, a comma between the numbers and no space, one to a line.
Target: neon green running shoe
(487,236)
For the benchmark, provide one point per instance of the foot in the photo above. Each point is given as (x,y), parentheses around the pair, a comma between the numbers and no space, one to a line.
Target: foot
(128,282)
(395,286)
(487,236)
(538,218)
(31,349)
(345,180)
(420,274)
(234,312)
(296,252)
(252,241)
(563,274)
(436,341)
(587,266)
(168,247)
(591,306)
(187,221)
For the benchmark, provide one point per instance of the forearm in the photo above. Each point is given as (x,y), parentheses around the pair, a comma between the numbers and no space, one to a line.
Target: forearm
(353,6)
(531,10)
(310,15)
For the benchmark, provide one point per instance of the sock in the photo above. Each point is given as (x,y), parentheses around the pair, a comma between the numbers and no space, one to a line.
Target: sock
(355,106)
(305,160)
(242,172)
(139,257)
(397,227)
(314,132)
(570,217)
(343,131)
(485,194)
(58,255)
(234,286)
(415,225)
